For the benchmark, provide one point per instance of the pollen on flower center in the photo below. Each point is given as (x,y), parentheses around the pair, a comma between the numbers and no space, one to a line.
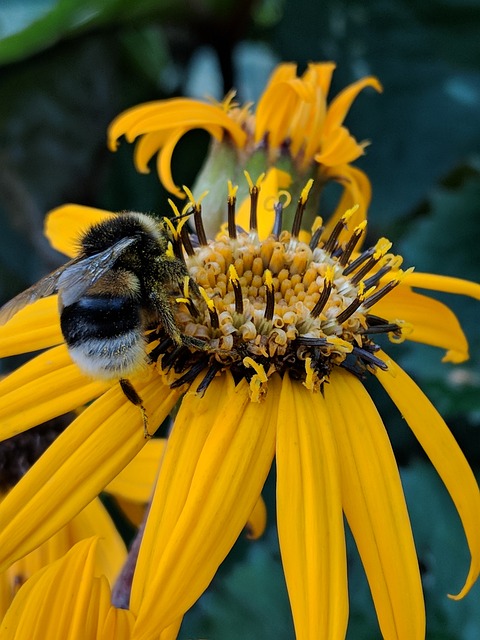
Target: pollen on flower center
(281,304)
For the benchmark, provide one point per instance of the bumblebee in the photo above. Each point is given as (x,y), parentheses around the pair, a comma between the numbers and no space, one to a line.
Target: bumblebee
(119,285)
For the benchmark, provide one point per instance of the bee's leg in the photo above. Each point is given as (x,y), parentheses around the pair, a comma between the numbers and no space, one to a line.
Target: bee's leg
(165,313)
(130,393)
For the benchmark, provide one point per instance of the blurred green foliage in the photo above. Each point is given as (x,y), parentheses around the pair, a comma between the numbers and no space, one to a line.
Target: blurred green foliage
(67,67)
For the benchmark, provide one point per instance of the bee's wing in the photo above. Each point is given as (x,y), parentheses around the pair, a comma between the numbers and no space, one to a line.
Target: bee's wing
(74,281)
(73,278)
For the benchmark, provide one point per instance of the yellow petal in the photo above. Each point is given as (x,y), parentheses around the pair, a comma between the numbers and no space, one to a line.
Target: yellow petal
(340,105)
(65,225)
(47,386)
(135,482)
(444,283)
(93,520)
(309,514)
(357,191)
(258,520)
(445,454)
(34,327)
(432,322)
(78,465)
(375,508)
(65,600)
(217,459)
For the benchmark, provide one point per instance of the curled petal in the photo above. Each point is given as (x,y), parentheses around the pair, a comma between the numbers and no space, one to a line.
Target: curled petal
(445,454)
(374,506)
(309,513)
(340,105)
(432,322)
(258,520)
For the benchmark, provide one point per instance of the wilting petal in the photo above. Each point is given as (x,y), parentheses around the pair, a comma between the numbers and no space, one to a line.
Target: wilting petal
(217,459)
(26,397)
(309,513)
(34,327)
(444,283)
(135,482)
(375,508)
(432,322)
(64,225)
(66,600)
(77,466)
(445,454)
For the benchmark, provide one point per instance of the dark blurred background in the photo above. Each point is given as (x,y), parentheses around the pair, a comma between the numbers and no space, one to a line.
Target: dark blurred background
(67,67)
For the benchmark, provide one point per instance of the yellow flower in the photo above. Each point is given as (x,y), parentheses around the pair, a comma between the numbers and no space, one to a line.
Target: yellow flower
(293,129)
(285,332)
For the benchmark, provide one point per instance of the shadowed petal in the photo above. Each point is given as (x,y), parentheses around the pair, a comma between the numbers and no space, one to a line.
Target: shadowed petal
(445,454)
(27,397)
(77,466)
(309,513)
(34,327)
(375,508)
(216,461)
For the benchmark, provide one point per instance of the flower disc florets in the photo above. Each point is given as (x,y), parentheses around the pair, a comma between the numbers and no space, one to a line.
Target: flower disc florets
(280,304)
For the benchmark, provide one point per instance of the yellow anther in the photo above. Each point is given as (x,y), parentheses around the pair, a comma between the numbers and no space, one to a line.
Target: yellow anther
(171,226)
(258,380)
(257,184)
(349,213)
(232,190)
(174,207)
(406,328)
(329,274)
(381,248)
(182,300)
(169,252)
(268,278)
(207,299)
(232,273)
(306,191)
(361,227)
(340,345)
(317,223)
(186,286)
(310,375)
(401,275)
(195,203)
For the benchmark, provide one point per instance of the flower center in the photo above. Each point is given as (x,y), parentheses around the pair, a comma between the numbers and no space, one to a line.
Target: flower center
(280,304)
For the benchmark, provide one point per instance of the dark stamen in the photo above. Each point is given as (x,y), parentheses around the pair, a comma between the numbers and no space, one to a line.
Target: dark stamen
(270,304)
(316,238)
(358,261)
(373,280)
(322,301)
(311,342)
(197,217)
(254,191)
(331,243)
(214,321)
(388,327)
(375,297)
(277,225)
(237,289)
(368,266)
(190,375)
(297,221)
(232,229)
(209,376)
(367,356)
(346,313)
(350,246)
(187,243)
